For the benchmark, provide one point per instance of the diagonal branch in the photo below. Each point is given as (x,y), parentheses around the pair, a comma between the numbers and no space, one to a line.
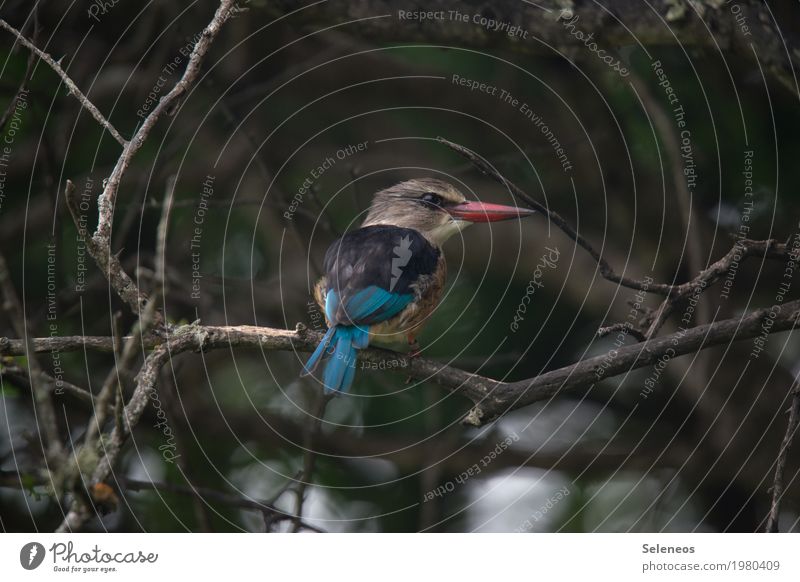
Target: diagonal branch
(585,373)
(743,248)
(107,199)
(71,86)
(108,263)
(99,245)
(219,497)
(12,105)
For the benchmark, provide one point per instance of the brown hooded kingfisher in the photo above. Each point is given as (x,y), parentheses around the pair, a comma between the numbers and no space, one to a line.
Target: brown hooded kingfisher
(384,279)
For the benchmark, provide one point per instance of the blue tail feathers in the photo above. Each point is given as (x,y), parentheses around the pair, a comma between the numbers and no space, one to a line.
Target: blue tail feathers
(340,368)
(313,361)
(372,304)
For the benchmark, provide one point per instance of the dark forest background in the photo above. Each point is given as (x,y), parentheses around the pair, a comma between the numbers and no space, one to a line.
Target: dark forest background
(278,95)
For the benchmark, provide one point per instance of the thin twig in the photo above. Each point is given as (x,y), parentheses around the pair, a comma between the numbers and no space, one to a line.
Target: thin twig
(109,388)
(12,105)
(161,236)
(605,268)
(71,86)
(212,495)
(314,427)
(101,249)
(780,464)
(668,133)
(673,293)
(628,329)
(17,480)
(21,375)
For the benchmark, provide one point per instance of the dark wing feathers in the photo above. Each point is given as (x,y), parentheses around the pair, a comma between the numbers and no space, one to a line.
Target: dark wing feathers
(388,259)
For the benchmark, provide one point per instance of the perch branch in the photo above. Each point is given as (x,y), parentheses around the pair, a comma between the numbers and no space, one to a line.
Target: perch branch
(491,398)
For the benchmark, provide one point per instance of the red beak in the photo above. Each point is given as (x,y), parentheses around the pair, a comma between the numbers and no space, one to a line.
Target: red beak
(483,212)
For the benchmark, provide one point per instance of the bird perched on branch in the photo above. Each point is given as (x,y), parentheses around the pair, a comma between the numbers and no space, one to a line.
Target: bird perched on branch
(382,281)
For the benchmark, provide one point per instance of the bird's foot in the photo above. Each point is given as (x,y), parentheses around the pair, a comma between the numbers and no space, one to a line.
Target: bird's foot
(414,352)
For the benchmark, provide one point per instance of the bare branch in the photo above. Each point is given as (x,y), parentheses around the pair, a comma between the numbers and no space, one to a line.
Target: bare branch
(108,198)
(100,249)
(123,360)
(108,263)
(655,23)
(69,343)
(12,105)
(79,512)
(584,374)
(16,480)
(71,86)
(20,375)
(490,398)
(99,245)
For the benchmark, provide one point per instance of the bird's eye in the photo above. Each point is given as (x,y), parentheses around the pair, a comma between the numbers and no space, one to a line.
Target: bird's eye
(431,198)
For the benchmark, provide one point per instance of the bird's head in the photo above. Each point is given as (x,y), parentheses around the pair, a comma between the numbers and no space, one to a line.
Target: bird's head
(434,208)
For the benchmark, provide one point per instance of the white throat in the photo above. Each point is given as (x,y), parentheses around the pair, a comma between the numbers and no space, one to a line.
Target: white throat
(438,235)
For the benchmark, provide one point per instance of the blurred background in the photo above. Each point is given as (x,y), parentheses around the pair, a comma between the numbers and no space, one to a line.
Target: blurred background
(295,121)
